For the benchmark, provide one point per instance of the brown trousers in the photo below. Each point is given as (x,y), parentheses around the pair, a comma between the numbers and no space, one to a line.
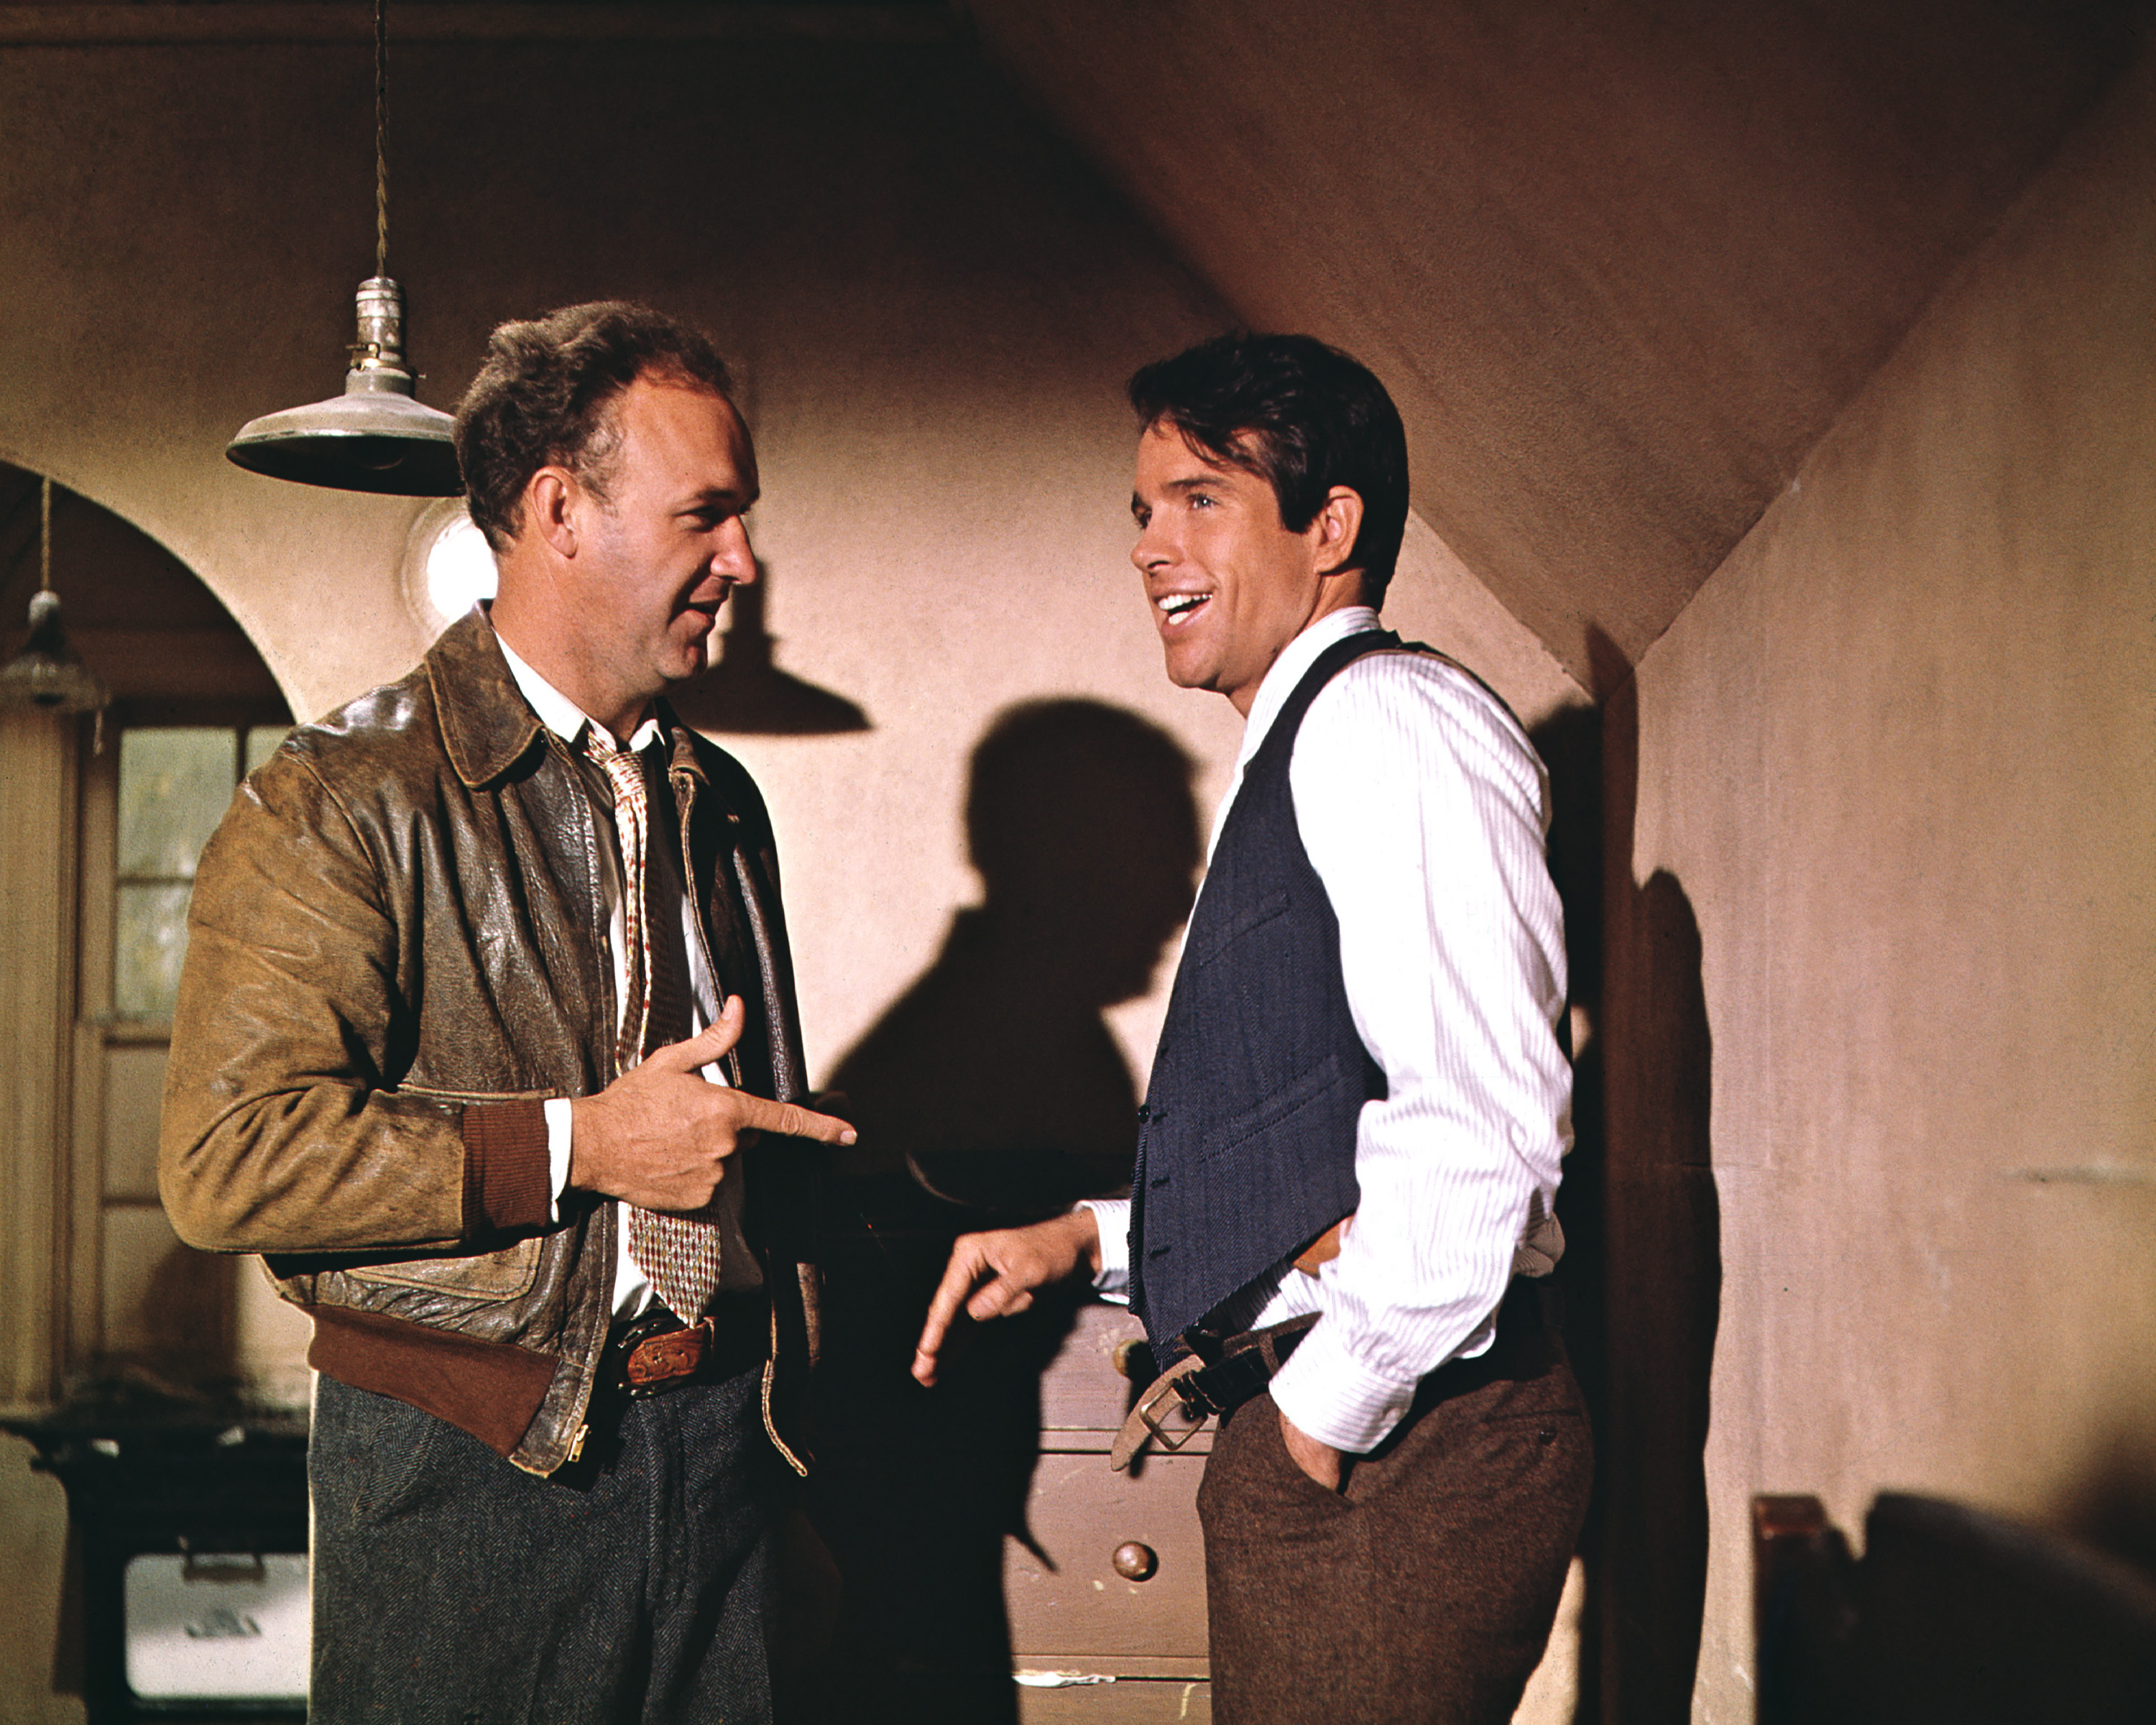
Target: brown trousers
(1424,1590)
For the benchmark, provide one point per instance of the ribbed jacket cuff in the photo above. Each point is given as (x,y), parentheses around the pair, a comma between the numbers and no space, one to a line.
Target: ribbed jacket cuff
(508,1178)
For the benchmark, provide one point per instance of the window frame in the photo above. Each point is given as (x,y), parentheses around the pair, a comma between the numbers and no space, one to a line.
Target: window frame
(88,1348)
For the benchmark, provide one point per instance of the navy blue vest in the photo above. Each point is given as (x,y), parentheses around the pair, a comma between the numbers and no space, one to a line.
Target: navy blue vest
(1246,1142)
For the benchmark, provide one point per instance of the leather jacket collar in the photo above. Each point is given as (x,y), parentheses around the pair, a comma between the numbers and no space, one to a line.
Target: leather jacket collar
(487,724)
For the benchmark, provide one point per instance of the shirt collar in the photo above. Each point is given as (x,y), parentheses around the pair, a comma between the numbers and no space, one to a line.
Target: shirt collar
(562,716)
(1296,660)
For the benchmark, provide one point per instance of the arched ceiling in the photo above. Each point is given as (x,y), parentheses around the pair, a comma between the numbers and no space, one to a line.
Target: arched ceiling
(1622,262)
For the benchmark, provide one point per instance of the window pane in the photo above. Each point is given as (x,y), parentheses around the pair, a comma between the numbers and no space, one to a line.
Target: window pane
(134,1092)
(262,741)
(174,784)
(149,940)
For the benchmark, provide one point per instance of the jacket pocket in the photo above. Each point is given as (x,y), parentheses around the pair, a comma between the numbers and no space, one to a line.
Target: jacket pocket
(507,1274)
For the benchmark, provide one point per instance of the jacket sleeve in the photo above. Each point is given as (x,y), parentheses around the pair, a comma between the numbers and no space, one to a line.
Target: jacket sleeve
(284,1129)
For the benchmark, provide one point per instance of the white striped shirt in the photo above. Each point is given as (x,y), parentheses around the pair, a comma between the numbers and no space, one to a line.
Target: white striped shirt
(1424,810)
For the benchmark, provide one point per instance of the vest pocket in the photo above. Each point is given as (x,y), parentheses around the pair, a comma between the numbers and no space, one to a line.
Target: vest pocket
(1277,1110)
(1273,905)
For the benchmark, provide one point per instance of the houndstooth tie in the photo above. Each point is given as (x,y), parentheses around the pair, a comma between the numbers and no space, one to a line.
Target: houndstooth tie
(679,1253)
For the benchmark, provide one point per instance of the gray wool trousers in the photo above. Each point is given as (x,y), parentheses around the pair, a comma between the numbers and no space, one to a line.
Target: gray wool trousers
(637,1586)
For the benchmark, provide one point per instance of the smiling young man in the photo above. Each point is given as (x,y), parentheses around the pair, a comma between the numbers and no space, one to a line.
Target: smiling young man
(1341,1214)
(486,990)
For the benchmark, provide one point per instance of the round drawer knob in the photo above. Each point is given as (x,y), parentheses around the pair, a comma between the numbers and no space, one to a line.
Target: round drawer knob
(1122,1358)
(1135,1561)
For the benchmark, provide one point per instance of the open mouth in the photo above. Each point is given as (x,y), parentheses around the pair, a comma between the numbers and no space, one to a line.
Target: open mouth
(1177,609)
(707,606)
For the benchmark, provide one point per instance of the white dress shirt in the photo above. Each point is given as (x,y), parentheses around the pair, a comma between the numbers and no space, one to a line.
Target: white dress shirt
(1424,810)
(663,883)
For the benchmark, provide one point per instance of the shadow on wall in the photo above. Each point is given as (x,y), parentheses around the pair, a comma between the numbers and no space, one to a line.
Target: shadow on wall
(1570,743)
(990,1093)
(2112,1505)
(1642,1216)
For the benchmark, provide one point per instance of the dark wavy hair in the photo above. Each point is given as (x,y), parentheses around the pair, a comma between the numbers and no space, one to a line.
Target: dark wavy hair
(1301,416)
(546,395)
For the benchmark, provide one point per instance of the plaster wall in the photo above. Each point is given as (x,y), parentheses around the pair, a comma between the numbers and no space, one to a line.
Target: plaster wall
(1883,803)
(934,307)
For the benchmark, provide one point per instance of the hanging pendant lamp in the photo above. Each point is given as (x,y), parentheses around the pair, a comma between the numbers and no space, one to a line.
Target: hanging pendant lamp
(376,436)
(48,673)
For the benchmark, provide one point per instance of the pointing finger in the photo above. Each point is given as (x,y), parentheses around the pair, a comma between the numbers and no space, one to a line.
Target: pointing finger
(792,1121)
(708,1044)
(966,1264)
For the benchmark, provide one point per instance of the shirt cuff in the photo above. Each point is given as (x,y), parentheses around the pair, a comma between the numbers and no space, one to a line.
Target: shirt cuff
(1336,1398)
(559,1115)
(1112,1217)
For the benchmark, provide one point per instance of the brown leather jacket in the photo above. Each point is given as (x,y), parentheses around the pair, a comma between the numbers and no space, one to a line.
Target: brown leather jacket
(395,956)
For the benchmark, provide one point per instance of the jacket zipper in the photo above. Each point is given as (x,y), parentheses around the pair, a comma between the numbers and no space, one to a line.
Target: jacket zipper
(685,806)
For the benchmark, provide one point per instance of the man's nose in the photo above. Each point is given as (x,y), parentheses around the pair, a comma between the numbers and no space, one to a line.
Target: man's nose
(733,556)
(1151,552)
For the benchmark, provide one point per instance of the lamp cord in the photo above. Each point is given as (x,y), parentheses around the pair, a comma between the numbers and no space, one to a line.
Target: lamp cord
(44,534)
(381,138)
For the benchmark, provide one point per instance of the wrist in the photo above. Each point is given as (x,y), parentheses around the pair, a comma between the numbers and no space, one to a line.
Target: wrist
(587,1144)
(1086,1234)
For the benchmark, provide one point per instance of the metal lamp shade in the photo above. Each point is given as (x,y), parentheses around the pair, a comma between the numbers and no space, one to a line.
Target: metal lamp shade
(47,673)
(369,439)
(375,437)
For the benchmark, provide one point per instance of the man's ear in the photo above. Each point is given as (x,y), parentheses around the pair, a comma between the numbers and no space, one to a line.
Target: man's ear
(551,497)
(1333,529)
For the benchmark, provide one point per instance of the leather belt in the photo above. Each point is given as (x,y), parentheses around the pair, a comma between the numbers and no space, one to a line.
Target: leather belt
(1176,1406)
(650,1354)
(1217,1379)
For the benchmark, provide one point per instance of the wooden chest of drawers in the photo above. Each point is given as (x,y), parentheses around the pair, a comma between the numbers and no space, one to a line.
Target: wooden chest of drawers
(1112,1646)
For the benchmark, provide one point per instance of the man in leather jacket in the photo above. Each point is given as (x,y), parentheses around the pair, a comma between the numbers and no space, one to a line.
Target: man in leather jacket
(487,999)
